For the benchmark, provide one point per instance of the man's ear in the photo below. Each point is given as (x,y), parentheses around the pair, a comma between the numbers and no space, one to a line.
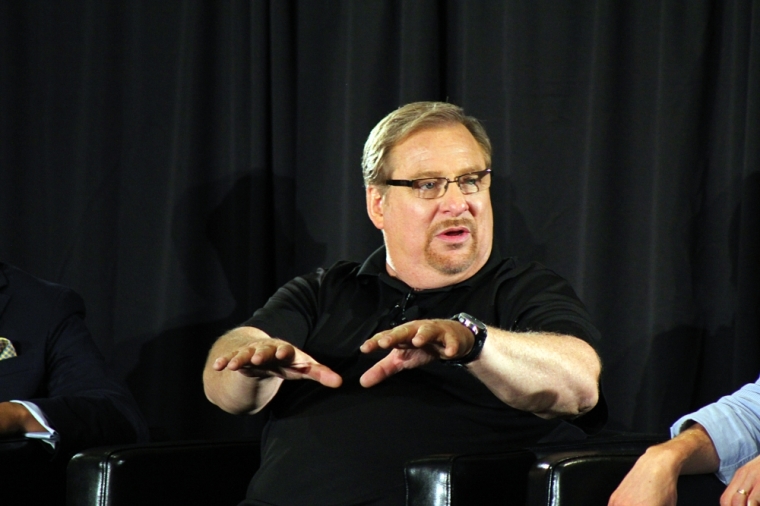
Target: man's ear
(375,206)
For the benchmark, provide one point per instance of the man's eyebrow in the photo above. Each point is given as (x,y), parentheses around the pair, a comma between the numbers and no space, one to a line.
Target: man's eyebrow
(429,174)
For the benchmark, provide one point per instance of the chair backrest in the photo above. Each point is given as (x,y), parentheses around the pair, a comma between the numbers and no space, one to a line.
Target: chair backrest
(190,472)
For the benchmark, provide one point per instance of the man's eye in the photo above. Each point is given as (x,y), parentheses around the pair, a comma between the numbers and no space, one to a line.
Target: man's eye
(469,180)
(426,184)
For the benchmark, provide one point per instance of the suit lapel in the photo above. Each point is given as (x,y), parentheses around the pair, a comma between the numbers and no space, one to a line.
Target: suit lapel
(3,284)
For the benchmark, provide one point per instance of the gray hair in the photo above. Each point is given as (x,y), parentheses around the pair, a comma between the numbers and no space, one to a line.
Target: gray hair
(405,121)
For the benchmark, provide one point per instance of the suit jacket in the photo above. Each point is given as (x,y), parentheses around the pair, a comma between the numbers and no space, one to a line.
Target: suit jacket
(60,368)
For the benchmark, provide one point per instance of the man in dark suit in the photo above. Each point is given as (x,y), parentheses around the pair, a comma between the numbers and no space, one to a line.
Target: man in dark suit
(54,383)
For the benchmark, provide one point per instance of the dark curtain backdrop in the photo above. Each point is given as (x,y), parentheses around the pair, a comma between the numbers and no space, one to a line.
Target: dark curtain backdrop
(175,162)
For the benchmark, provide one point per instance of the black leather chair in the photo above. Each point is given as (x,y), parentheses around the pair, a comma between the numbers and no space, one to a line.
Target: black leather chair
(589,476)
(30,473)
(216,472)
(185,472)
(582,473)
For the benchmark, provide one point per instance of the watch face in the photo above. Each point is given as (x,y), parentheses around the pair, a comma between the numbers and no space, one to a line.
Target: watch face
(472,323)
(478,330)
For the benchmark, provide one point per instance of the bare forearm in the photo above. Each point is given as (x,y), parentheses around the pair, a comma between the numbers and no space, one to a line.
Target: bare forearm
(695,451)
(239,394)
(16,419)
(246,367)
(232,390)
(547,374)
(654,477)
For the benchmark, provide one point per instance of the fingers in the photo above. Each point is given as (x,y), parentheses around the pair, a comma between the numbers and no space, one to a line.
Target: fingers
(321,374)
(257,354)
(383,369)
(414,344)
(394,338)
(374,375)
(740,497)
(273,357)
(744,488)
(445,338)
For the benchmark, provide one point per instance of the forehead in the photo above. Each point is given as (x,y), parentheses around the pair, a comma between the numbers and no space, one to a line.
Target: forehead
(448,150)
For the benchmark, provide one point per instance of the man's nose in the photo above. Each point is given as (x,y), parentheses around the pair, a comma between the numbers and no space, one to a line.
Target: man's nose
(454,201)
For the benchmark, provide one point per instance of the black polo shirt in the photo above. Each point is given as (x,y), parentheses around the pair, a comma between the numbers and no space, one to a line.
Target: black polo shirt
(348,446)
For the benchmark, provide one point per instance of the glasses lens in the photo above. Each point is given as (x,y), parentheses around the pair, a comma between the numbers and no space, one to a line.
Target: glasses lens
(473,183)
(429,188)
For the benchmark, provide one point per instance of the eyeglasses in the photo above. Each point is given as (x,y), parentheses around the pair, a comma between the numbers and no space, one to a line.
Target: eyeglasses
(435,187)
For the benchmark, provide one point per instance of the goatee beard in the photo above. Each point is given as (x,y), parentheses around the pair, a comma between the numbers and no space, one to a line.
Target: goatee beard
(458,257)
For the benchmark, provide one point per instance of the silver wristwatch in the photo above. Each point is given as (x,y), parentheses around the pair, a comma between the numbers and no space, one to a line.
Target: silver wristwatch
(479,331)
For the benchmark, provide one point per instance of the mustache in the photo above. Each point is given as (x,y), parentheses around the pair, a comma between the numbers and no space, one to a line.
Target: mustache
(467,223)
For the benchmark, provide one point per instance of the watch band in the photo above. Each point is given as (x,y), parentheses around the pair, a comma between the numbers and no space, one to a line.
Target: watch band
(480,333)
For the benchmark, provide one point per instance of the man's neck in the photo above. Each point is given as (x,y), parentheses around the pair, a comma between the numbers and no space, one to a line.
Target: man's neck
(427,278)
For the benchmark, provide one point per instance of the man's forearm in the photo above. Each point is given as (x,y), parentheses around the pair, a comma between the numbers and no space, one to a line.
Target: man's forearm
(235,391)
(547,374)
(239,394)
(653,479)
(246,367)
(696,451)
(691,452)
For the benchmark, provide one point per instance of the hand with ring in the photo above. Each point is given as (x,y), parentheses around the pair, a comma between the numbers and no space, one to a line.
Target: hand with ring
(744,489)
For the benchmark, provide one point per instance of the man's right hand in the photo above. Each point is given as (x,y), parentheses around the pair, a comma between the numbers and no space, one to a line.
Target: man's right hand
(246,367)
(651,482)
(654,478)
(271,357)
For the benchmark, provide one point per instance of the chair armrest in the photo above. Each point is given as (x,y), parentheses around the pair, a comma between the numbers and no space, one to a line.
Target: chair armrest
(520,476)
(186,472)
(585,478)
(588,476)
(37,477)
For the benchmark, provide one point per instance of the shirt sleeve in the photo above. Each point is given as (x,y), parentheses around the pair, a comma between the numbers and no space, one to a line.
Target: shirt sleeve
(538,299)
(733,423)
(51,436)
(292,312)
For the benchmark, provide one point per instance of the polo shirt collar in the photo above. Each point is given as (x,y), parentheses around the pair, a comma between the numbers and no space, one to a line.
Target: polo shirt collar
(374,266)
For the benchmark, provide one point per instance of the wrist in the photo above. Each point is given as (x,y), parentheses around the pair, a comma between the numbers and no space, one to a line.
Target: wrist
(16,419)
(479,332)
(27,420)
(691,452)
(666,457)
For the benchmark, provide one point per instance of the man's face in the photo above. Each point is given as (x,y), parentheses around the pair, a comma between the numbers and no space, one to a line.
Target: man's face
(434,242)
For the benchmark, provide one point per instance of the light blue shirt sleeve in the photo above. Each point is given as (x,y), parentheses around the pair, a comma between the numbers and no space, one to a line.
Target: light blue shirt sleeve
(733,423)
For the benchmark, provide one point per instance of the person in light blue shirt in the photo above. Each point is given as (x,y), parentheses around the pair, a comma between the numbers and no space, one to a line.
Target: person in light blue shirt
(721,438)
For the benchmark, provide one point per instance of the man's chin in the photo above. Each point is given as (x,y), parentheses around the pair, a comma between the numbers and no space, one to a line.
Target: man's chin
(451,262)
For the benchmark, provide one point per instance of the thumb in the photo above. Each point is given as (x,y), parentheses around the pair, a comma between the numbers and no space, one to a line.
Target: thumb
(323,375)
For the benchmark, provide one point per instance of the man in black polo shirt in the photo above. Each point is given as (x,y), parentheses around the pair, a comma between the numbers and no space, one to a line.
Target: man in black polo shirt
(435,344)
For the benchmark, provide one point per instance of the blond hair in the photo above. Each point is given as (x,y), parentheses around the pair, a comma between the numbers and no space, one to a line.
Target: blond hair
(405,121)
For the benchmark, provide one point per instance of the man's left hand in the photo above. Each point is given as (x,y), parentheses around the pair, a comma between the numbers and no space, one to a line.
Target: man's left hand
(744,487)
(414,344)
